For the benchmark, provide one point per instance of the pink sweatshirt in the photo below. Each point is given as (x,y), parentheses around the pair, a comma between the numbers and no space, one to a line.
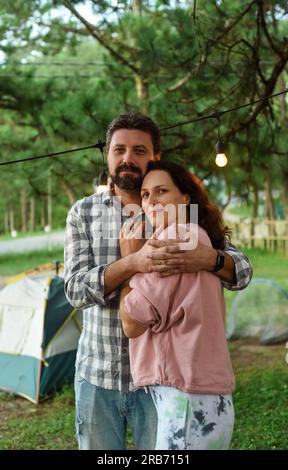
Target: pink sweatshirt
(185,344)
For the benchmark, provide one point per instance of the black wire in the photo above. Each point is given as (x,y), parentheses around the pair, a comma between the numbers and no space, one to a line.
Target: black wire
(100,145)
(218,114)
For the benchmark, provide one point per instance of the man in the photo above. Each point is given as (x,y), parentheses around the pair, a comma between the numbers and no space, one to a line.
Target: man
(106,399)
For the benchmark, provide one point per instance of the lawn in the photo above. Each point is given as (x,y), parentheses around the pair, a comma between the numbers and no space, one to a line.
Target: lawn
(261,397)
(261,407)
(14,263)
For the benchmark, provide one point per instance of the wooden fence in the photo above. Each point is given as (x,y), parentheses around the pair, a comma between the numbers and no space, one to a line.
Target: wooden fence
(271,235)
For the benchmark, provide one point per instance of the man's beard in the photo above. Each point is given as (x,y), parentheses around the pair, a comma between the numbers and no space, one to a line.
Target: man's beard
(128,182)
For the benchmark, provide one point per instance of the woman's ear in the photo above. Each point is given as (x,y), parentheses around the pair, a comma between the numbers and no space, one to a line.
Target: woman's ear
(187,199)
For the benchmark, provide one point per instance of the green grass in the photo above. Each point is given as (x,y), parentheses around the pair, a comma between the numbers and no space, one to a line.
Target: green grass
(14,263)
(260,401)
(49,425)
(244,211)
(261,408)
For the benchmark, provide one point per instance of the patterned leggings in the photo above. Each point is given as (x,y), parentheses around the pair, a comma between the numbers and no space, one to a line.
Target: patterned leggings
(192,422)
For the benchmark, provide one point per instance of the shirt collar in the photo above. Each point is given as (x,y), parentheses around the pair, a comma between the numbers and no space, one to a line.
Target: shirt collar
(107,197)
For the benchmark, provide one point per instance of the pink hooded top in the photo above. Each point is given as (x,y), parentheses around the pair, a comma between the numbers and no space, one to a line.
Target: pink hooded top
(185,343)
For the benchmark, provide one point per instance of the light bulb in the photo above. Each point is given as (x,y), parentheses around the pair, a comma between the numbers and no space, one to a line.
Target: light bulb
(221,160)
(101,188)
(101,182)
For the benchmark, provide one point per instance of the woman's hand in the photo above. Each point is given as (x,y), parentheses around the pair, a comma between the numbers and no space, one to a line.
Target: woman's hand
(130,238)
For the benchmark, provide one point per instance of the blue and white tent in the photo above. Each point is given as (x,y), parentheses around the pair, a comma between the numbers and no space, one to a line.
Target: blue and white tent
(39,334)
(260,311)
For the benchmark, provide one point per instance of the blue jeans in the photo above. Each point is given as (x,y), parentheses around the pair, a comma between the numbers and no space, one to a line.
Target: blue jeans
(102,417)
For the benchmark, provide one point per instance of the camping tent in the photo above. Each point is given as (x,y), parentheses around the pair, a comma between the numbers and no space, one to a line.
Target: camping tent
(39,333)
(260,311)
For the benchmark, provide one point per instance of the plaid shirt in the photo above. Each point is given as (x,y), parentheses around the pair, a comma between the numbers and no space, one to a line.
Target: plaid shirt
(91,244)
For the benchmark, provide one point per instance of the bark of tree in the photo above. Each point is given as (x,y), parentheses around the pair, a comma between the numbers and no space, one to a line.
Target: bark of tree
(23,205)
(32,214)
(11,219)
(6,222)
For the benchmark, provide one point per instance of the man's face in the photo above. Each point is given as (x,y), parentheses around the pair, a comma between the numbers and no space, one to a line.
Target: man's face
(129,152)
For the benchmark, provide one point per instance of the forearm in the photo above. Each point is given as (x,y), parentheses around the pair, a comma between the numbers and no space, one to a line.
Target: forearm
(131,327)
(227,273)
(243,269)
(118,272)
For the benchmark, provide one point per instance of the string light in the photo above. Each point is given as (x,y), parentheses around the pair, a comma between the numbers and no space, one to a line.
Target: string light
(200,118)
(102,182)
(221,160)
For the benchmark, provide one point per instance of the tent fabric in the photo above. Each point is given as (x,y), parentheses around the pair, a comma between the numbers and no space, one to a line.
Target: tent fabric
(260,311)
(55,368)
(57,311)
(39,334)
(19,374)
(21,317)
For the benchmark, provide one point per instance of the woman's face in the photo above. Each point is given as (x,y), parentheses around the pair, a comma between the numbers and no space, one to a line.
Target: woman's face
(162,201)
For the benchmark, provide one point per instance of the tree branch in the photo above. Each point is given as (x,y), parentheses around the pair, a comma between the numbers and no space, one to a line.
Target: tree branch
(99,37)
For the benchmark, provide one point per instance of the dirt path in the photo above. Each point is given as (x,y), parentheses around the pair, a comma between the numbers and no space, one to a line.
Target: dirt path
(247,353)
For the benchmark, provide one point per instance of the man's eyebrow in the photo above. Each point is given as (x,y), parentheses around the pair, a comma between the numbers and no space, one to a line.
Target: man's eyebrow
(140,146)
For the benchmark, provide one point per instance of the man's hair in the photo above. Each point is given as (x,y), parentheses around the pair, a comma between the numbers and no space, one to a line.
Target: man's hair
(138,121)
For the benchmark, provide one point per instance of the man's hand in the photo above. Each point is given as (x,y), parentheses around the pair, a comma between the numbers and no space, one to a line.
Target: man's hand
(170,257)
(138,250)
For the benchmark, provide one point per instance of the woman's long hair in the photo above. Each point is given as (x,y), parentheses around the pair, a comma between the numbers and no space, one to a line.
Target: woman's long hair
(209,216)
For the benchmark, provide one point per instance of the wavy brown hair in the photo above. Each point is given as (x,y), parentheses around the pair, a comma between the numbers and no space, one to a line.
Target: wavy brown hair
(209,216)
(134,120)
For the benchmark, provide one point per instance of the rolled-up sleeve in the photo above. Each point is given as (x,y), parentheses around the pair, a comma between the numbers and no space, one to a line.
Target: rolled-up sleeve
(243,269)
(84,282)
(146,303)
(138,307)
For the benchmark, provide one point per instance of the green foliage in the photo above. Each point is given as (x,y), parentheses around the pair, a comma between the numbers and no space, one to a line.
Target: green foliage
(261,410)
(62,83)
(14,263)
(49,426)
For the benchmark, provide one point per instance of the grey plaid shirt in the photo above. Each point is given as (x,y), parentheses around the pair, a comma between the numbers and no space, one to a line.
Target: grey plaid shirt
(91,244)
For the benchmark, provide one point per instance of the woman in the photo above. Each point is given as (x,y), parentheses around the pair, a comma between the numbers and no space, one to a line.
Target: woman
(178,347)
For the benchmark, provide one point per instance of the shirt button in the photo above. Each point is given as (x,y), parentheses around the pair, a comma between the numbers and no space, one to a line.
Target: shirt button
(124,350)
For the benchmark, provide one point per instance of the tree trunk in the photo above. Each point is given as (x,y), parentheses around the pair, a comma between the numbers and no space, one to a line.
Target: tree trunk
(32,214)
(254,213)
(49,202)
(11,219)
(137,7)
(43,212)
(69,192)
(285,192)
(23,205)
(255,207)
(140,82)
(142,93)
(270,210)
(6,222)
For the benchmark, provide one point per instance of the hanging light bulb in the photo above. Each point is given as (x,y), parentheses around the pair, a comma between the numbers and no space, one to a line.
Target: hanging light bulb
(221,159)
(102,183)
